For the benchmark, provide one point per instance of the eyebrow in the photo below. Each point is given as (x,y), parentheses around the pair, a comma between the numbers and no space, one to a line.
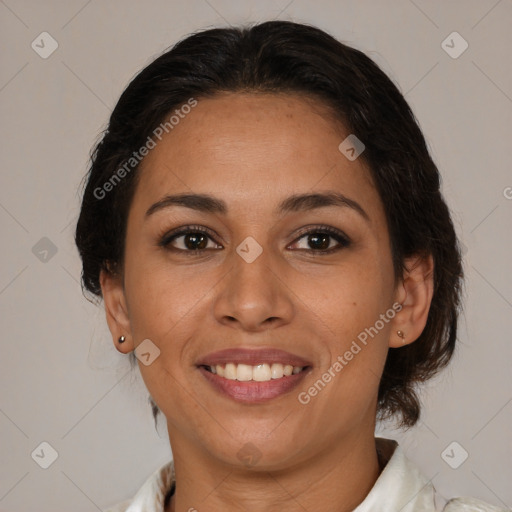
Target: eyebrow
(295,203)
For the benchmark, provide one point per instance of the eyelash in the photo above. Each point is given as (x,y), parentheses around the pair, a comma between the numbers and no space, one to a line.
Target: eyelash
(340,237)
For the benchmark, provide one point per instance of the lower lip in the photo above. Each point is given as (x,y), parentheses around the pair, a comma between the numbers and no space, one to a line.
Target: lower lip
(253,391)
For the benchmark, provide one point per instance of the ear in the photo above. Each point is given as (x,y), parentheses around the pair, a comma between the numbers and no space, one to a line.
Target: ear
(414,292)
(116,311)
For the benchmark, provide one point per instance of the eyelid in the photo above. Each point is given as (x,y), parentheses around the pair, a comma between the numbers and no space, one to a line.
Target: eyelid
(342,239)
(168,236)
(321,228)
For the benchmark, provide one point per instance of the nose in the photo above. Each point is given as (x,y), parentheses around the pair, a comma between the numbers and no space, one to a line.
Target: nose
(253,296)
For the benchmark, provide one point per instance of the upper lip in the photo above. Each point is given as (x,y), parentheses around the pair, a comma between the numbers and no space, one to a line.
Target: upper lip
(252,357)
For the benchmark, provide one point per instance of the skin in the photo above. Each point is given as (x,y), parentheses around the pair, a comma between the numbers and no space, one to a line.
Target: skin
(252,151)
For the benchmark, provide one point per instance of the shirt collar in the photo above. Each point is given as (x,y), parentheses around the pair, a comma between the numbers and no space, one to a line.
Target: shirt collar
(399,487)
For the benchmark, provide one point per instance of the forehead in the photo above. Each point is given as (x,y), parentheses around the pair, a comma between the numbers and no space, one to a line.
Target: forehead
(252,149)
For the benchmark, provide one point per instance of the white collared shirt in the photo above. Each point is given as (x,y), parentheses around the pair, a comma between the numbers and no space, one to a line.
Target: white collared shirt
(400,488)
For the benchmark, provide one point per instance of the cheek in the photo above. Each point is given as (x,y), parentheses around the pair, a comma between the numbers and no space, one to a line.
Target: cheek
(161,295)
(349,306)
(349,298)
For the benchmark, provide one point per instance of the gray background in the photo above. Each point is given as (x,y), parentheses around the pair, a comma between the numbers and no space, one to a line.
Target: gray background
(61,379)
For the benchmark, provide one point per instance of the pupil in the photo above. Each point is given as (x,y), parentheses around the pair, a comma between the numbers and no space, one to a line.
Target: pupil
(323,238)
(191,241)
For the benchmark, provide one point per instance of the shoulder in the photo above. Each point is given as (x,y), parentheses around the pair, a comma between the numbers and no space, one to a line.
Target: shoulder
(466,504)
(402,486)
(151,495)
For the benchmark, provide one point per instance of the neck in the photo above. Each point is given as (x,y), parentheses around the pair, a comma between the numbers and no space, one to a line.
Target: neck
(336,480)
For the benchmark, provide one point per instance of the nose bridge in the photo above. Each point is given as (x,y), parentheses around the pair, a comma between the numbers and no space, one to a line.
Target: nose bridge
(252,292)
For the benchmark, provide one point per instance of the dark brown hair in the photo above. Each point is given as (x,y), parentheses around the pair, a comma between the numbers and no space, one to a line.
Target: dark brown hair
(286,57)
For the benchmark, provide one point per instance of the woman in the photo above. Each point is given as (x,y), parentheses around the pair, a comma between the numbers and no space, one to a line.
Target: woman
(264,223)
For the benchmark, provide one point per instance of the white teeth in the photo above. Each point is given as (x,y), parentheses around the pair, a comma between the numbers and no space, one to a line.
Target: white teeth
(230,371)
(243,372)
(260,373)
(288,369)
(276,370)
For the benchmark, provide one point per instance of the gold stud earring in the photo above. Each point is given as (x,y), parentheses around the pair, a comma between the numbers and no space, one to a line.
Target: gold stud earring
(121,339)
(402,335)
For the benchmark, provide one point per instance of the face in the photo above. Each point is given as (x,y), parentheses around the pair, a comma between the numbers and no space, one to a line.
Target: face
(305,277)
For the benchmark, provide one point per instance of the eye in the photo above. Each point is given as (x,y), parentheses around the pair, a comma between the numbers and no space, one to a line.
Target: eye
(319,240)
(194,239)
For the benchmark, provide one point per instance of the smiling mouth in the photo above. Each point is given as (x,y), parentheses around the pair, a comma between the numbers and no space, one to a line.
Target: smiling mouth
(275,380)
(263,372)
